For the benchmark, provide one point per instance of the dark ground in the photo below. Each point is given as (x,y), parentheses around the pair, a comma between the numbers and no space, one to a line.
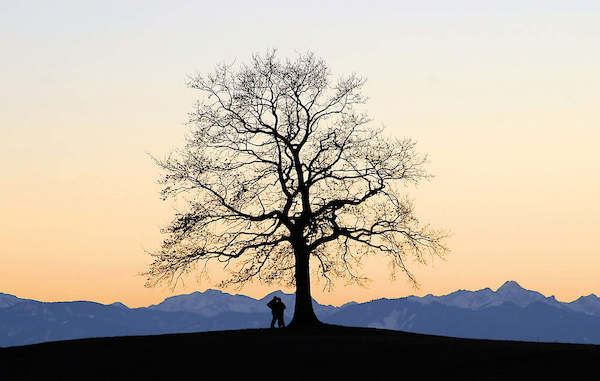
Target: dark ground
(331,352)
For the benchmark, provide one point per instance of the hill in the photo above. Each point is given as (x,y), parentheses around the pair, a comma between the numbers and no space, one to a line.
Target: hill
(330,352)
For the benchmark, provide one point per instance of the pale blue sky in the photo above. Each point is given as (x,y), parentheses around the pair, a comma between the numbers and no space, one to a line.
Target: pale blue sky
(503,95)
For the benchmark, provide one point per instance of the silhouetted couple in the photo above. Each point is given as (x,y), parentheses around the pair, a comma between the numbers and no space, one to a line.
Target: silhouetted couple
(277,307)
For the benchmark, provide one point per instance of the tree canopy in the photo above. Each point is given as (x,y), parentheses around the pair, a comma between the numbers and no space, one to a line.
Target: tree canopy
(282,169)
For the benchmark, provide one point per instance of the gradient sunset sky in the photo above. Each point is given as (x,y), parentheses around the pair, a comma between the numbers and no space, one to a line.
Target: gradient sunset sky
(503,95)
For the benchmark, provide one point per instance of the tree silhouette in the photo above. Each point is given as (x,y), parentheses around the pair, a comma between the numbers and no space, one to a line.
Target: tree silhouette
(280,170)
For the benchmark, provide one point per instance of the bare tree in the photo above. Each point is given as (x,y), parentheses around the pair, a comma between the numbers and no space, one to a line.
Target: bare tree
(279,170)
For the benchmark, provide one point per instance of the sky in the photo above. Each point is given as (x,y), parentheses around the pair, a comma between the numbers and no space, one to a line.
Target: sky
(502,95)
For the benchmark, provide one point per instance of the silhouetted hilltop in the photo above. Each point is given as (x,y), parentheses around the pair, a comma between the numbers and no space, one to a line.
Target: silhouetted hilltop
(327,353)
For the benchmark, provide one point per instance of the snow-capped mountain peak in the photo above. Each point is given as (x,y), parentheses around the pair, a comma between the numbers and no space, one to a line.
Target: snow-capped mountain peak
(208,303)
(512,292)
(510,286)
(7,300)
(589,304)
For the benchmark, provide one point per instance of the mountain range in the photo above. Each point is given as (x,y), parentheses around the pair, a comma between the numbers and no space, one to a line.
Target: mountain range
(509,313)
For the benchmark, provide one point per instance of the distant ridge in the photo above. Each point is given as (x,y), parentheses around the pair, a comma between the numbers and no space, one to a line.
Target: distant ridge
(510,313)
(510,291)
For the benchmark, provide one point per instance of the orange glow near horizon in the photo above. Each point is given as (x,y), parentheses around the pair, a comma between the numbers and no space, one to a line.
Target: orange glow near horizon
(503,98)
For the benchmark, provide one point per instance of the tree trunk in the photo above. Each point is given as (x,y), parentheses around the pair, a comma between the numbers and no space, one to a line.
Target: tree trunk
(304,315)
